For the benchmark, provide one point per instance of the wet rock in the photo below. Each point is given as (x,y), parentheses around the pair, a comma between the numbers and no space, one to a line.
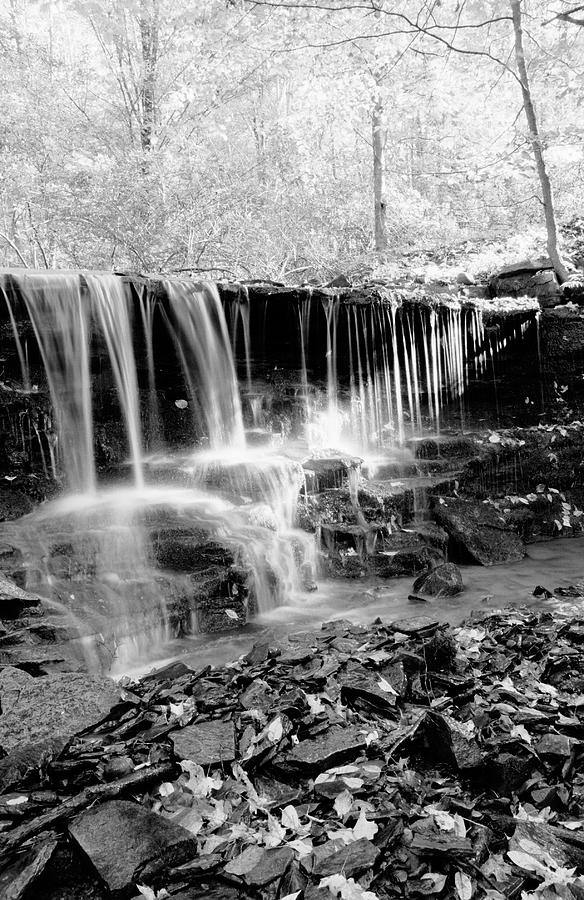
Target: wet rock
(509,772)
(14,504)
(57,705)
(188,550)
(400,563)
(127,843)
(207,743)
(12,564)
(352,860)
(337,746)
(564,846)
(19,877)
(558,746)
(448,741)
(218,594)
(443,581)
(14,601)
(257,867)
(322,473)
(357,683)
(416,625)
(478,531)
(259,695)
(441,845)
(455,446)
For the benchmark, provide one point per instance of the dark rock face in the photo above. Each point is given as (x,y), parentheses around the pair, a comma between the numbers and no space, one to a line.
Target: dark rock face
(443,581)
(126,843)
(20,877)
(478,531)
(14,601)
(13,504)
(56,705)
(529,277)
(338,746)
(208,743)
(352,860)
(322,473)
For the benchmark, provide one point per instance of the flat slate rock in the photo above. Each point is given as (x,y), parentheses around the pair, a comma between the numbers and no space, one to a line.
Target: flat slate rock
(28,866)
(123,841)
(351,860)
(337,746)
(414,625)
(257,867)
(205,743)
(57,705)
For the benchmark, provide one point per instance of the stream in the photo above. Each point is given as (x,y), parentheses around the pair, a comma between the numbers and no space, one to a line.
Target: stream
(551,564)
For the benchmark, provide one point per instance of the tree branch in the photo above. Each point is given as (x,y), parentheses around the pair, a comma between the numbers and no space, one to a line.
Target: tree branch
(15,248)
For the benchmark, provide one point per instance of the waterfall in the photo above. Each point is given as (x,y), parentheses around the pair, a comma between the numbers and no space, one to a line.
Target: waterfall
(197,320)
(162,370)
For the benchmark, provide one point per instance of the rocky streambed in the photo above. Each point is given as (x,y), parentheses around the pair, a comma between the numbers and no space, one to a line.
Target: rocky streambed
(406,758)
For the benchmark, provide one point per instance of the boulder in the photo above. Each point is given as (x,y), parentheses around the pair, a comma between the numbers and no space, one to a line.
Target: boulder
(57,705)
(128,844)
(443,581)
(478,532)
(409,561)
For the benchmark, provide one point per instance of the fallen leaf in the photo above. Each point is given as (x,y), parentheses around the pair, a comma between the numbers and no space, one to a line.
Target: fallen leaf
(364,828)
(463,885)
(343,804)
(346,888)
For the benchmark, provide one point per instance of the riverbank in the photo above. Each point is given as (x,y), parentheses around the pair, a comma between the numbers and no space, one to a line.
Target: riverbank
(399,759)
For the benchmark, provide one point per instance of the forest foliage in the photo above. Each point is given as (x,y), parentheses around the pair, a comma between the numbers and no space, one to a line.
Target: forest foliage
(235,137)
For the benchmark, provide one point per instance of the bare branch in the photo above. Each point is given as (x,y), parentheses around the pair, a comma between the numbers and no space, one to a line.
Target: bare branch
(15,248)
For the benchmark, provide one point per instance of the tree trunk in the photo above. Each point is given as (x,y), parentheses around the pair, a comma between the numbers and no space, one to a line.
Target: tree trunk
(149,27)
(380,209)
(537,147)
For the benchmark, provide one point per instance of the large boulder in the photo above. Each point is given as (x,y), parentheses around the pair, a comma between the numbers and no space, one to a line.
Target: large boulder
(57,705)
(443,581)
(129,845)
(478,532)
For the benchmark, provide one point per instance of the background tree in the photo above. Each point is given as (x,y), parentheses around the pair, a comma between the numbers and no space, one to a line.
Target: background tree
(237,138)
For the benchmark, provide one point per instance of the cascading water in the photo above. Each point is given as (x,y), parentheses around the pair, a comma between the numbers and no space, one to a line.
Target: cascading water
(97,547)
(196,491)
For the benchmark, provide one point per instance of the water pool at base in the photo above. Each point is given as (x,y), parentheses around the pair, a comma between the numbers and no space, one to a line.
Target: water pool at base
(553,564)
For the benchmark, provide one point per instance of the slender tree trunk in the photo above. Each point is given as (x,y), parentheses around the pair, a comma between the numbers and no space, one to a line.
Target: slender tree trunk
(379,133)
(553,246)
(149,27)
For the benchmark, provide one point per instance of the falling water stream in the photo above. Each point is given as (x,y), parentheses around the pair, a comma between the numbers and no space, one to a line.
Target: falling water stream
(390,372)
